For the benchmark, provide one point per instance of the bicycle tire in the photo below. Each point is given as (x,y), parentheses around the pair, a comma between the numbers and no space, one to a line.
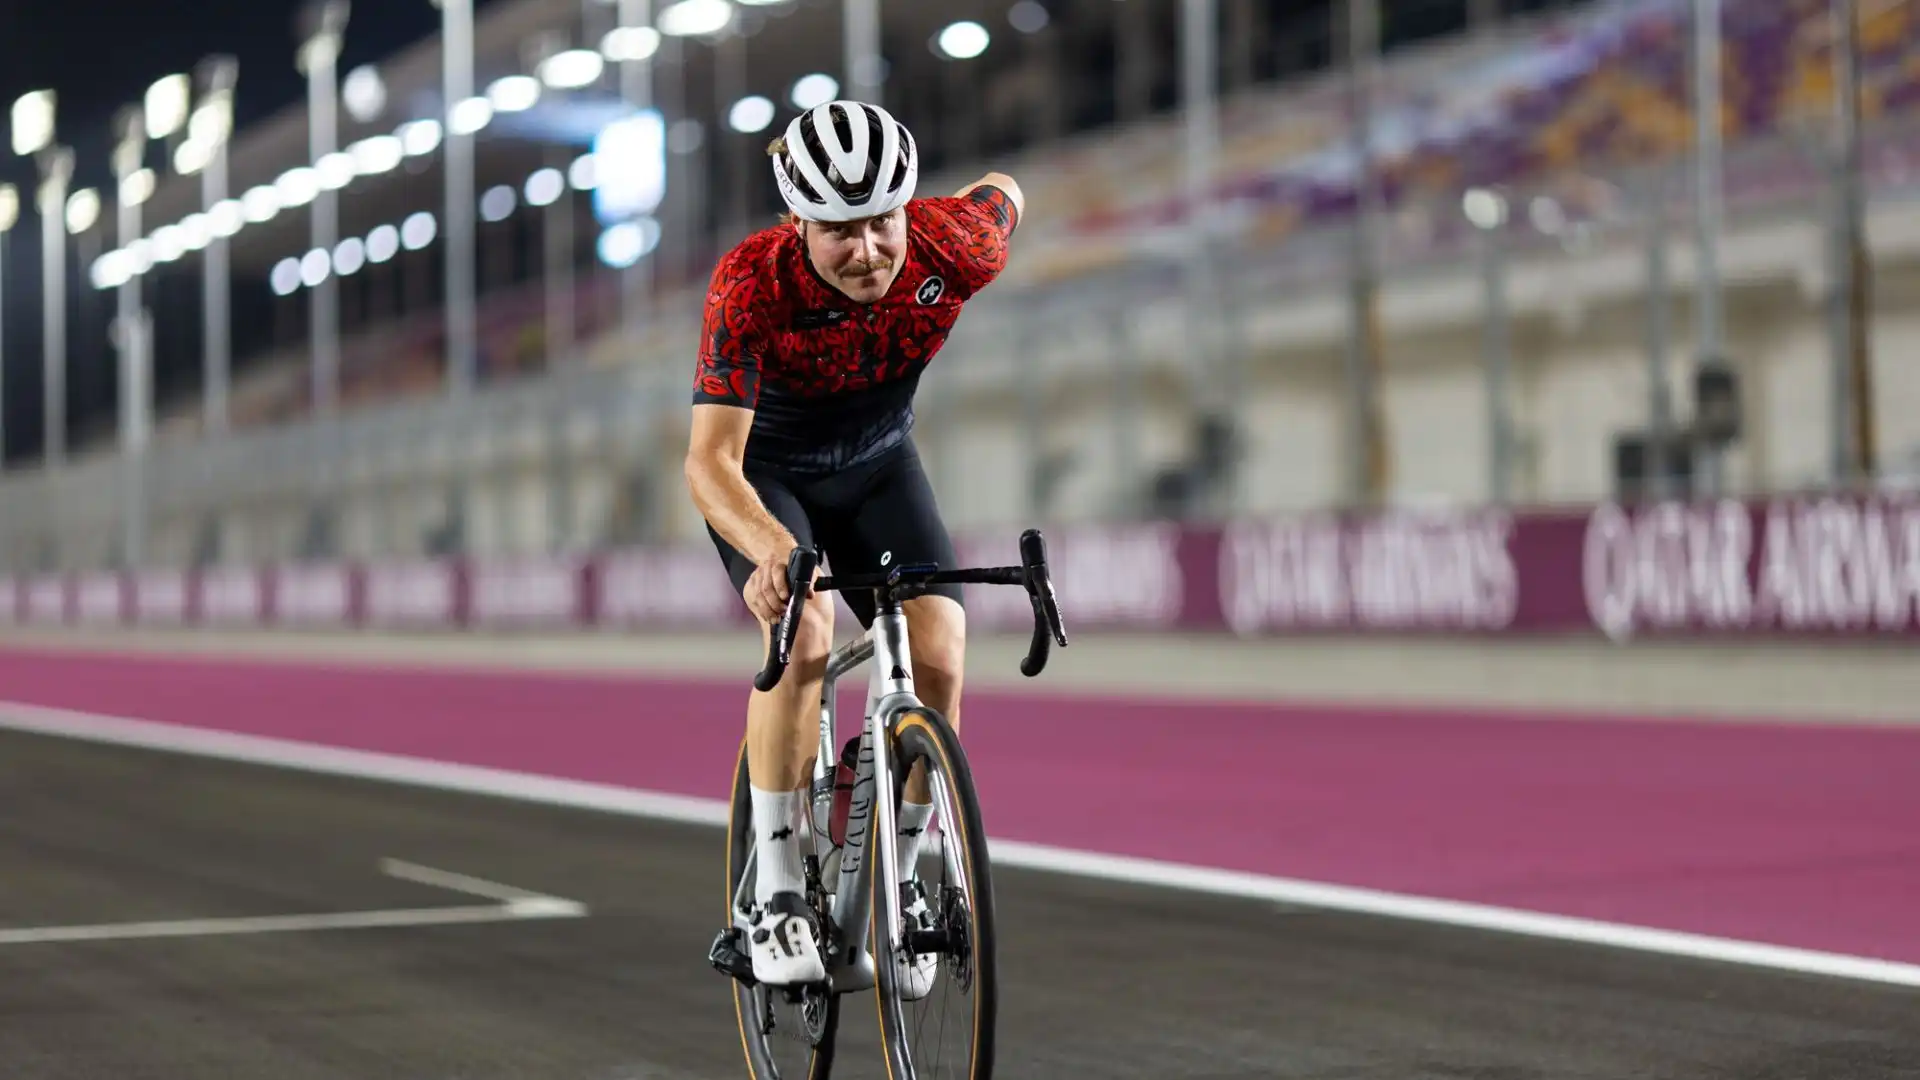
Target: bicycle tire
(924,733)
(754,1043)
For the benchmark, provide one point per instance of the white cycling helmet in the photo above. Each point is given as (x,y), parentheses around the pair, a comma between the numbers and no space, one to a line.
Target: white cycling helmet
(846,160)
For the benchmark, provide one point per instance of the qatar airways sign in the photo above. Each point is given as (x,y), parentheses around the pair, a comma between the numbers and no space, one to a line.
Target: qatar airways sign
(231,595)
(1794,565)
(1109,577)
(525,591)
(315,594)
(160,596)
(415,592)
(667,587)
(1416,570)
(1825,566)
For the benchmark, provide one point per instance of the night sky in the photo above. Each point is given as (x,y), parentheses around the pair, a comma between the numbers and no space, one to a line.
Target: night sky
(99,55)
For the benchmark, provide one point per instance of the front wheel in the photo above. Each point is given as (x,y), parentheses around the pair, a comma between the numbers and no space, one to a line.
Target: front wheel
(786,1034)
(938,985)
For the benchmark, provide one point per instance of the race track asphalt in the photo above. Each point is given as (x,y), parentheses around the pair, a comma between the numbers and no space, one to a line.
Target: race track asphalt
(1098,979)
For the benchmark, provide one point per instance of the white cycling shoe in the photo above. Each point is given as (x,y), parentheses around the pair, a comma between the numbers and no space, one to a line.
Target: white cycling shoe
(915,977)
(785,943)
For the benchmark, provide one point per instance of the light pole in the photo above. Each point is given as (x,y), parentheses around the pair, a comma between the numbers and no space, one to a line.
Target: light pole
(639,41)
(82,213)
(33,114)
(1487,211)
(163,119)
(1707,211)
(134,184)
(211,126)
(321,26)
(56,169)
(456,67)
(9,216)
(860,21)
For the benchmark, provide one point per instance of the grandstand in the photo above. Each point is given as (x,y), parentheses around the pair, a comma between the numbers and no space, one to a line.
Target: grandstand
(1597,93)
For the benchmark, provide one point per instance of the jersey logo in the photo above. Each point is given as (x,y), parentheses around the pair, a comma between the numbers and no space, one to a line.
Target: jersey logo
(818,317)
(930,290)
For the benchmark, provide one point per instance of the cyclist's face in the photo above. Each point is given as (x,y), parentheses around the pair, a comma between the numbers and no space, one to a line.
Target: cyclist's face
(861,258)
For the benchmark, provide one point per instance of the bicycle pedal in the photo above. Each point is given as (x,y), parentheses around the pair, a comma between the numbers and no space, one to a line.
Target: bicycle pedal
(729,956)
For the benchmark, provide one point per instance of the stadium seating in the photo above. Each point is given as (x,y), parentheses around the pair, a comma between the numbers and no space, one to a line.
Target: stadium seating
(1600,91)
(1603,89)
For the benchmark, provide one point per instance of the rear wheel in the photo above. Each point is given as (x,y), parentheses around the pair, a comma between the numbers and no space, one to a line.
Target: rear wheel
(947,1034)
(787,1033)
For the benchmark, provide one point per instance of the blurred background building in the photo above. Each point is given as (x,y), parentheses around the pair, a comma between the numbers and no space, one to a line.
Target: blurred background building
(1278,257)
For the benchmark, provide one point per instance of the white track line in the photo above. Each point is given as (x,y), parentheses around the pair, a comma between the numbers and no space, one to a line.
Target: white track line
(501,783)
(514,904)
(1452,913)
(447,879)
(272,924)
(362,764)
(518,902)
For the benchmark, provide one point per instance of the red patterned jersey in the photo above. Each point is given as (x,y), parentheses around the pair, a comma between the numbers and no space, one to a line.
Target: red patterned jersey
(831,381)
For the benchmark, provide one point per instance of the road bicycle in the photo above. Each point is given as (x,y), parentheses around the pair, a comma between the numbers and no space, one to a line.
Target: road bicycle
(933,935)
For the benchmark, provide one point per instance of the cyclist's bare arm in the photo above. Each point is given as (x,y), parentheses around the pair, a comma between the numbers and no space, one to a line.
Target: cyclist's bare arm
(1004,183)
(716,477)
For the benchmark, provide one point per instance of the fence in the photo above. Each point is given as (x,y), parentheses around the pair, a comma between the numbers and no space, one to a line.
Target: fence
(1815,566)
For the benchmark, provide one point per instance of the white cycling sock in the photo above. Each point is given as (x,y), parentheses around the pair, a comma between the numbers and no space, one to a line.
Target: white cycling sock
(777,866)
(913,829)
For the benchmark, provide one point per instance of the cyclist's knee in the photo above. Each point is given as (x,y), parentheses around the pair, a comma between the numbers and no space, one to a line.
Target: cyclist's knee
(814,641)
(938,630)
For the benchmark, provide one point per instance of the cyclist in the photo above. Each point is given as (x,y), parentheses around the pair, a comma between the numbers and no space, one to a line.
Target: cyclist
(816,333)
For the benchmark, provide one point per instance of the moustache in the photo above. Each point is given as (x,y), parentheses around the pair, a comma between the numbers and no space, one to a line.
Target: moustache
(860,269)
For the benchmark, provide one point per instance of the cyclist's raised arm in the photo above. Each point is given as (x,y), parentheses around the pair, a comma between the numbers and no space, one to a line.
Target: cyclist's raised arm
(1006,185)
(726,389)
(968,233)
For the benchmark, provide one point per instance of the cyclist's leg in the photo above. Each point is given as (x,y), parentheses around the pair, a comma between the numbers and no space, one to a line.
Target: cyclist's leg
(781,733)
(891,512)
(887,511)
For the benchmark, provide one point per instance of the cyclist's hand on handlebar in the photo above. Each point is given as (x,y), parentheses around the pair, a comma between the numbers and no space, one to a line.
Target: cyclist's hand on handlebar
(766,592)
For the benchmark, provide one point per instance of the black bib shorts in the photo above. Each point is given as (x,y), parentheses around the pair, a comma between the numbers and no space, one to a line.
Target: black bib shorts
(864,518)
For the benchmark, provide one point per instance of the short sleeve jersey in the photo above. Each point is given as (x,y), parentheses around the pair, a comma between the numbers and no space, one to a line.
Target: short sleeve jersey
(831,381)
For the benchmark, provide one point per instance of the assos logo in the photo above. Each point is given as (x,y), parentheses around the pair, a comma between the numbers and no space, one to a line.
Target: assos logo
(930,290)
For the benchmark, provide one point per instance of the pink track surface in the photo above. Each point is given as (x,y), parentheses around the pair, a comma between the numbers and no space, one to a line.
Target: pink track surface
(1795,835)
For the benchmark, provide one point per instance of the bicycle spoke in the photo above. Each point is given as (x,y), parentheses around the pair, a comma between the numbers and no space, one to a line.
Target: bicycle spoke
(950,879)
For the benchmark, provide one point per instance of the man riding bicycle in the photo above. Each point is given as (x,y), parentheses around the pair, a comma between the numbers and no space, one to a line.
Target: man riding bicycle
(816,333)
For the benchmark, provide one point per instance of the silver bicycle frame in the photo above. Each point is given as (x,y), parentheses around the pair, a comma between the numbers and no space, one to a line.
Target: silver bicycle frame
(889,692)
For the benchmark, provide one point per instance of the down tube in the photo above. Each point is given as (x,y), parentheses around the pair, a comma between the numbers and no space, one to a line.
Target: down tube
(885,828)
(852,900)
